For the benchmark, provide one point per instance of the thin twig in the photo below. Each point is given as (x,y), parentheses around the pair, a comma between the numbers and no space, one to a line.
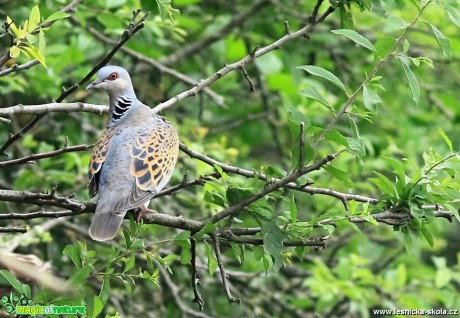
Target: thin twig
(195,280)
(223,274)
(29,159)
(13,229)
(246,76)
(302,145)
(18,67)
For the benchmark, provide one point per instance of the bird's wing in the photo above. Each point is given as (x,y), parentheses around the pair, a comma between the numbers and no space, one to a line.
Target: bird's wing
(154,156)
(98,158)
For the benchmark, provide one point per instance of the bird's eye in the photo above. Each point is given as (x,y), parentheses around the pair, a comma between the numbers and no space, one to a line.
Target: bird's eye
(113,76)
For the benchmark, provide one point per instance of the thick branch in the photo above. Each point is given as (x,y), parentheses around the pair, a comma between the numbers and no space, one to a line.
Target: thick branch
(13,229)
(52,108)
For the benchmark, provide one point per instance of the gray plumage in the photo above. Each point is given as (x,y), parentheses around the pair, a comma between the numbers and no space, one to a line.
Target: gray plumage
(134,158)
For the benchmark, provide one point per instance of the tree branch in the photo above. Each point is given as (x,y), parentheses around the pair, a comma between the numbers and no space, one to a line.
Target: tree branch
(191,49)
(13,229)
(52,108)
(162,68)
(369,77)
(130,30)
(303,32)
(223,274)
(67,9)
(273,186)
(50,154)
(195,280)
(20,67)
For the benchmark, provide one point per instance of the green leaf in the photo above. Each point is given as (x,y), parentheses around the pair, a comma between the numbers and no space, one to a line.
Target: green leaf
(427,234)
(105,290)
(14,52)
(236,195)
(58,15)
(397,168)
(183,241)
(293,209)
(443,277)
(312,92)
(34,19)
(413,82)
(14,282)
(41,42)
(208,228)
(394,23)
(130,262)
(185,235)
(442,40)
(453,14)
(446,139)
(274,172)
(340,175)
(74,254)
(321,72)
(370,99)
(385,46)
(79,277)
(346,18)
(334,135)
(384,184)
(356,37)
(98,306)
(185,255)
(258,252)
(238,251)
(33,51)
(212,261)
(273,243)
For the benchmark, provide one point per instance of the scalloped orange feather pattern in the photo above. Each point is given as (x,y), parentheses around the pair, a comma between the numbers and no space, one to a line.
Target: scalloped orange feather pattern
(154,157)
(98,158)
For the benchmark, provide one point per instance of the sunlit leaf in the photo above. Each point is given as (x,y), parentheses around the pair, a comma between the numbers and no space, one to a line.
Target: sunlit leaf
(356,37)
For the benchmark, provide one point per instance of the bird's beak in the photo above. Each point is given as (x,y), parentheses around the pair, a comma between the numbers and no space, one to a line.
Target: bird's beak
(93,84)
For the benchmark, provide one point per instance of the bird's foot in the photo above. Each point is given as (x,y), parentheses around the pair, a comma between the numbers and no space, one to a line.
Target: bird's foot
(142,210)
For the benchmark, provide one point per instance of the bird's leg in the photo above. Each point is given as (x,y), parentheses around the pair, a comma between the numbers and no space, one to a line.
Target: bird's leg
(142,210)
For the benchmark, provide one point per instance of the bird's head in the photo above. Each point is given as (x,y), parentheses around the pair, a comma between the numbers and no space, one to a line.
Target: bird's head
(113,79)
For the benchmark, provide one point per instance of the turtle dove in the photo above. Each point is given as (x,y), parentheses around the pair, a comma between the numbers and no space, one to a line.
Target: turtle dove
(134,158)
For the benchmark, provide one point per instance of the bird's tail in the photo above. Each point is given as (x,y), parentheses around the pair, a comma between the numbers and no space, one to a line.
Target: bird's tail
(105,225)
